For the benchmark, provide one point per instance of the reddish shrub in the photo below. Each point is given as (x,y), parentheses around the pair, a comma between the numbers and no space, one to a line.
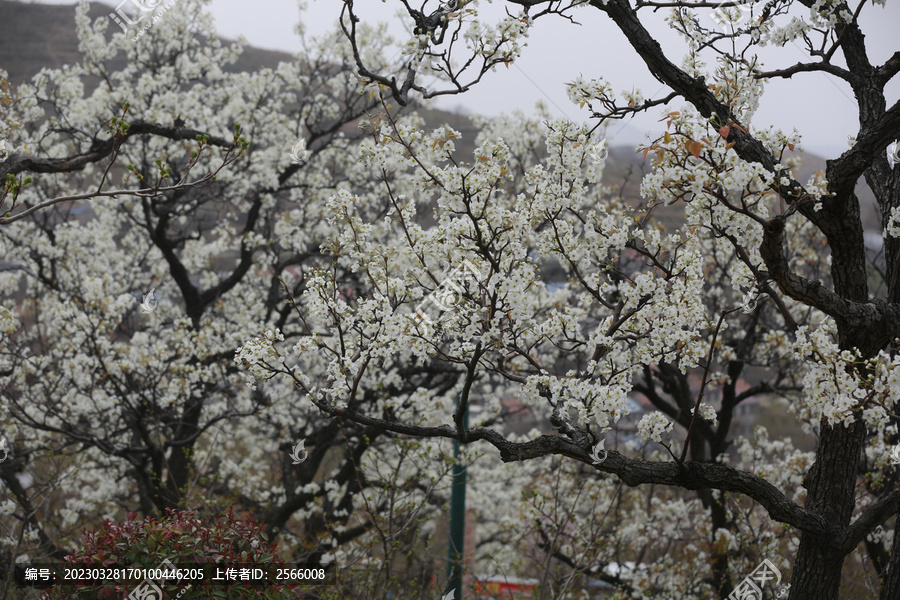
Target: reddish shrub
(184,539)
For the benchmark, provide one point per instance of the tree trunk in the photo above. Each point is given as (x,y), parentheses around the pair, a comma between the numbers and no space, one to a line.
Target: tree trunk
(890,589)
(831,483)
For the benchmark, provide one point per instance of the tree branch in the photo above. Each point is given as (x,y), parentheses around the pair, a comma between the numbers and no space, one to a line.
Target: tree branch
(835,70)
(144,193)
(876,514)
(18,163)
(690,475)
(880,319)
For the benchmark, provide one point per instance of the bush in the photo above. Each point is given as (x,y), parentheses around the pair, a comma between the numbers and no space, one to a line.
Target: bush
(183,538)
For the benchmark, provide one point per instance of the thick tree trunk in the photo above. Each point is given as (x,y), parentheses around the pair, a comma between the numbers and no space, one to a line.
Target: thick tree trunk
(890,589)
(831,484)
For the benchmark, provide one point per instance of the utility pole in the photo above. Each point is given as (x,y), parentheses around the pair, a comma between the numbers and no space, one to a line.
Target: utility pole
(457,519)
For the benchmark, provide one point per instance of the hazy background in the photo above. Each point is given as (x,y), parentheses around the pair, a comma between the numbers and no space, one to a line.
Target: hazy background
(819,106)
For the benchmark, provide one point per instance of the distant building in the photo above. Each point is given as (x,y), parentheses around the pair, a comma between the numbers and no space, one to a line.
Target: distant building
(498,587)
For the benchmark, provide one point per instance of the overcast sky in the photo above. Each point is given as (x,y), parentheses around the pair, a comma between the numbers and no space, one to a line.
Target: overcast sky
(818,106)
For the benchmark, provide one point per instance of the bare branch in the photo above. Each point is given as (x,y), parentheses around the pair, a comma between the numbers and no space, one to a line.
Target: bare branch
(18,163)
(877,513)
(143,193)
(881,319)
(811,68)
(690,475)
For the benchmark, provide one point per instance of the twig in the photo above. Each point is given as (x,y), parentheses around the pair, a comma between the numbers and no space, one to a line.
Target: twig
(709,357)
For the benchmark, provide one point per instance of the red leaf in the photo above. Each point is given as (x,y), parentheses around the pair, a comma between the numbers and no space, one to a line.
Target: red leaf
(725,131)
(695,148)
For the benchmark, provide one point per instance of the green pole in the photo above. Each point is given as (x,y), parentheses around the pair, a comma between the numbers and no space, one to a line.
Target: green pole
(457,520)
